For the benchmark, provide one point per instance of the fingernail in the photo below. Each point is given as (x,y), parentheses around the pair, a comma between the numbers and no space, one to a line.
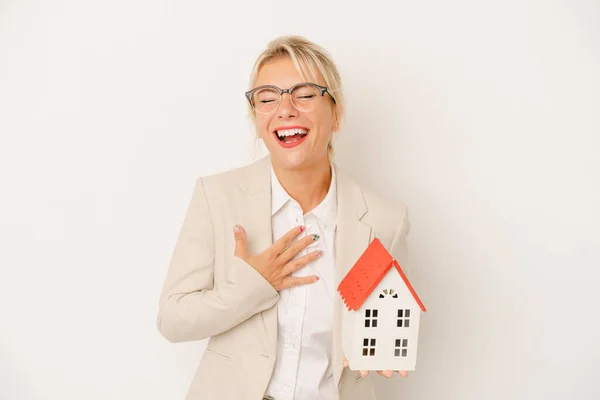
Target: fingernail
(318,253)
(301,229)
(236,229)
(315,237)
(316,278)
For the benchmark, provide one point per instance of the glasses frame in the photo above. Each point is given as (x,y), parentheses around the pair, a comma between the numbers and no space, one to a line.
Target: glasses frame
(250,93)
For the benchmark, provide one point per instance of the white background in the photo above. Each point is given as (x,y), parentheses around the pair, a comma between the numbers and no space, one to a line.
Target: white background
(484,117)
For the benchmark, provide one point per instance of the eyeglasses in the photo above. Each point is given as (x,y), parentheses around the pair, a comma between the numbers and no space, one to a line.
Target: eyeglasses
(305,97)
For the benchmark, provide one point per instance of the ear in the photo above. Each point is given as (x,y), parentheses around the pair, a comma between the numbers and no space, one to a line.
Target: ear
(336,120)
(336,125)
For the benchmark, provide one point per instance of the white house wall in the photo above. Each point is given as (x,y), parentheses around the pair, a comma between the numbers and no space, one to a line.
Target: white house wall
(348,318)
(386,331)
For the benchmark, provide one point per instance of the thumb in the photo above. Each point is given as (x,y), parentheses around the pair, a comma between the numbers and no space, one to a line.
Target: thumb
(240,241)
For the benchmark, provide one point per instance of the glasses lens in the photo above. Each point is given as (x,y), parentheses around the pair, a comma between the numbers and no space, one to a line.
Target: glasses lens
(265,100)
(306,97)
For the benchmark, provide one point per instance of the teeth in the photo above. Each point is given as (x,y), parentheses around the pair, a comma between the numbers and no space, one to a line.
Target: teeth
(291,132)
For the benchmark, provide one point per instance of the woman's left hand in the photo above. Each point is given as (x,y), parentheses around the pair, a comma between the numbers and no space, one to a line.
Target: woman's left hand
(388,373)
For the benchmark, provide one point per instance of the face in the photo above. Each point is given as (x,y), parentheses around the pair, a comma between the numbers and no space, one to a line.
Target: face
(294,139)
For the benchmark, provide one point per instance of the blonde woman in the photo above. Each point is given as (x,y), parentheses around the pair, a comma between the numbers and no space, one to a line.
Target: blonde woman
(263,247)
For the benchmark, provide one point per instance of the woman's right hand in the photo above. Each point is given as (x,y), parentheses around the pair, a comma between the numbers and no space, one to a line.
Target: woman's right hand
(275,264)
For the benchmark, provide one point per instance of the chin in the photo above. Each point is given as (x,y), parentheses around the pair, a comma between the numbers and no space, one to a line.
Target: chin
(295,160)
(291,160)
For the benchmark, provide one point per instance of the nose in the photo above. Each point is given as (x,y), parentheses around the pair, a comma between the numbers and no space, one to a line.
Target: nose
(286,109)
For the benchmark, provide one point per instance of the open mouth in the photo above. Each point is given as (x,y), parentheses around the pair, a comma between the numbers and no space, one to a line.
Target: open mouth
(290,136)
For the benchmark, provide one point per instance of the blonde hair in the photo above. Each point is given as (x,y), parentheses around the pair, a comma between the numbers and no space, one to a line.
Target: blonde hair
(311,60)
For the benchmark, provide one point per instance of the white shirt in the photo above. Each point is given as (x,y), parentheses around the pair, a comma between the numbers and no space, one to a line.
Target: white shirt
(305,312)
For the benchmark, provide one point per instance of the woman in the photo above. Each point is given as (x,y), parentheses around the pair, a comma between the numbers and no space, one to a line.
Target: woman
(263,247)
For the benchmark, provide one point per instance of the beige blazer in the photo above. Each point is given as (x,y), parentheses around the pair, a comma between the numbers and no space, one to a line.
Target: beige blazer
(210,293)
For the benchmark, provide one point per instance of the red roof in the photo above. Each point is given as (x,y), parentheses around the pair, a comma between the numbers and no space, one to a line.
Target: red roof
(367,272)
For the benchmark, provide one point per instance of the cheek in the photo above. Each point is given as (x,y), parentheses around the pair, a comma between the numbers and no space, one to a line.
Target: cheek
(261,126)
(325,123)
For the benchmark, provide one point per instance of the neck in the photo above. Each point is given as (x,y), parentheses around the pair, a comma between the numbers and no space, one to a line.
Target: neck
(307,185)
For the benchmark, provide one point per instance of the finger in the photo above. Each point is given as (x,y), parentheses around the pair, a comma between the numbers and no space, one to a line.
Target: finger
(386,373)
(364,373)
(404,374)
(296,248)
(305,280)
(346,363)
(301,262)
(280,245)
(240,241)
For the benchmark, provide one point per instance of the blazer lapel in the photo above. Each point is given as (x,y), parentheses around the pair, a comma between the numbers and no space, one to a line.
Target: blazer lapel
(352,238)
(254,200)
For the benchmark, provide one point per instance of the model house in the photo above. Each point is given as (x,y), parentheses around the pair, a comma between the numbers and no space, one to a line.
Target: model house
(380,323)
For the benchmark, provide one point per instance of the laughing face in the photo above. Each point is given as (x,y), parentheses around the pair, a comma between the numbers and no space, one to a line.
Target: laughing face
(295,139)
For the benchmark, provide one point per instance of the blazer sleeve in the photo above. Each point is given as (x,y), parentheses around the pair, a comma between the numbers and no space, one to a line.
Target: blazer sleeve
(191,306)
(399,247)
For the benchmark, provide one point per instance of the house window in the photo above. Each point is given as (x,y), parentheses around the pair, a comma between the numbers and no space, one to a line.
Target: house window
(388,292)
(401,347)
(368,347)
(370,318)
(403,319)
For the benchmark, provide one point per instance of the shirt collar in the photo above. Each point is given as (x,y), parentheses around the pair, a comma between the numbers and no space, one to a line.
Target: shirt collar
(326,211)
